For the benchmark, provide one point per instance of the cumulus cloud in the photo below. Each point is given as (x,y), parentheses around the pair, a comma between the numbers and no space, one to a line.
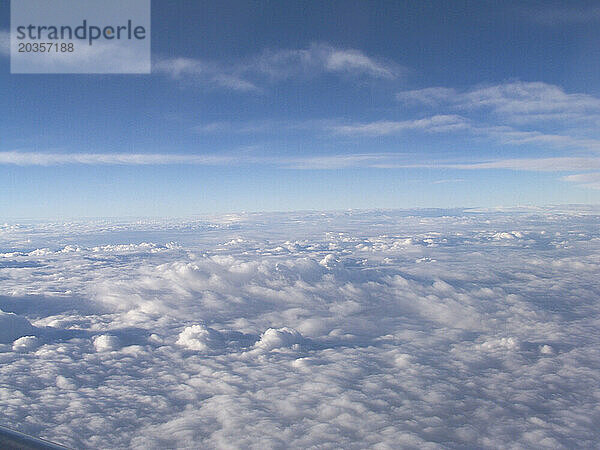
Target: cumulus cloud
(273,339)
(106,343)
(200,338)
(65,383)
(418,328)
(25,343)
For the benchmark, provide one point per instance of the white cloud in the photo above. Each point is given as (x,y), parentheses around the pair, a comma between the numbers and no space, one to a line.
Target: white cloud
(510,136)
(248,74)
(541,115)
(329,332)
(25,343)
(588,180)
(335,161)
(278,338)
(558,164)
(309,162)
(214,127)
(429,96)
(522,101)
(200,338)
(259,126)
(354,61)
(209,73)
(519,102)
(449,180)
(320,58)
(434,124)
(50,159)
(106,343)
(65,383)
(504,135)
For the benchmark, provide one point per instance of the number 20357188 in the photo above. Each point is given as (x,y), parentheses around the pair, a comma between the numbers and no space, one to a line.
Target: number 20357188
(46,47)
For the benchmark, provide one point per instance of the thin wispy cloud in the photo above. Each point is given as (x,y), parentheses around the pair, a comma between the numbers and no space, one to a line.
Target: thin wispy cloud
(586,180)
(557,164)
(431,96)
(318,59)
(518,102)
(251,73)
(53,159)
(450,180)
(209,73)
(266,126)
(329,162)
(157,159)
(260,126)
(434,124)
(511,136)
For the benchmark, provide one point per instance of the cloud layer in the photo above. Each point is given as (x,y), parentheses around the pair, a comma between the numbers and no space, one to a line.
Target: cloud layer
(426,328)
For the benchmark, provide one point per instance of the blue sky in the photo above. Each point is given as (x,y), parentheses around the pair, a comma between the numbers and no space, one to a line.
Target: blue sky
(315,105)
